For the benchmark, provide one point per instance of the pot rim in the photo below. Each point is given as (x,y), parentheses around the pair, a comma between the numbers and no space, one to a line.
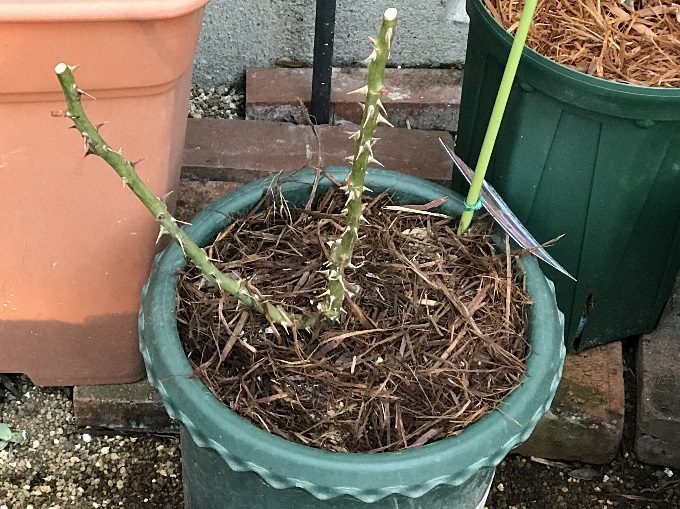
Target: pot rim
(413,472)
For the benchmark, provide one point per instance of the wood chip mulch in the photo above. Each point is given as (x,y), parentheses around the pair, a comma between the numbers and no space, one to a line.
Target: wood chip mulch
(634,42)
(434,336)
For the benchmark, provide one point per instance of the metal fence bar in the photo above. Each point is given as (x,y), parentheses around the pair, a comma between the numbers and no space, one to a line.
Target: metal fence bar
(324,34)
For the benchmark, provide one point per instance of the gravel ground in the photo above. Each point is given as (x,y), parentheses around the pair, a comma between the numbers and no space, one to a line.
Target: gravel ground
(216,102)
(59,468)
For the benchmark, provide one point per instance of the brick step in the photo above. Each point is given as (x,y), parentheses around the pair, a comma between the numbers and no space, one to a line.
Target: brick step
(657,435)
(419,98)
(244,150)
(585,421)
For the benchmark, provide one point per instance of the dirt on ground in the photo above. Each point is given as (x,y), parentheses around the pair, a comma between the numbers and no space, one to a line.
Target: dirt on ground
(524,483)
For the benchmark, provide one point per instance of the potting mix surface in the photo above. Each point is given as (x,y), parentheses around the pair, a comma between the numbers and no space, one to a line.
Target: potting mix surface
(433,339)
(636,41)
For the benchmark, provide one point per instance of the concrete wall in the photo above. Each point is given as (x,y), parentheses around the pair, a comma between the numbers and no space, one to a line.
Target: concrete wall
(245,33)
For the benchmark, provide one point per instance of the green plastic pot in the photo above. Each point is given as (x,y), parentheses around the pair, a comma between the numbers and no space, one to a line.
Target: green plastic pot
(595,160)
(228,462)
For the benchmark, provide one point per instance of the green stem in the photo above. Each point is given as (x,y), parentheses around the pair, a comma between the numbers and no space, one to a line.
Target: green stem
(498,112)
(342,248)
(95,144)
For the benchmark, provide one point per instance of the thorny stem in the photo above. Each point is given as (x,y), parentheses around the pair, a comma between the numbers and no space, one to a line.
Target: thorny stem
(342,248)
(95,144)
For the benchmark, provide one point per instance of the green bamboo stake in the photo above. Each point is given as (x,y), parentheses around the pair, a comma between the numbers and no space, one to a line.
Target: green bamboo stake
(95,144)
(342,248)
(472,202)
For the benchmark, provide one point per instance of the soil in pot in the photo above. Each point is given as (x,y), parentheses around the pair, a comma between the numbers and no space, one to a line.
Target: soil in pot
(434,337)
(636,41)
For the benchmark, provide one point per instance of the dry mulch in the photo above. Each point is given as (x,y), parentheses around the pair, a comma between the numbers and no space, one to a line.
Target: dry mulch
(633,42)
(434,336)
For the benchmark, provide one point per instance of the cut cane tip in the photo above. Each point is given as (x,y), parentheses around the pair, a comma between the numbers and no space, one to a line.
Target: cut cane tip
(391,14)
(60,68)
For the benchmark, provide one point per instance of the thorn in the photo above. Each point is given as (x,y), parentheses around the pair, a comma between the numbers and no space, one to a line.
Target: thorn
(367,147)
(388,37)
(361,90)
(349,158)
(375,161)
(371,58)
(82,92)
(383,120)
(99,126)
(369,113)
(354,135)
(86,144)
(372,40)
(363,106)
(73,68)
(162,231)
(381,106)
(135,163)
(58,113)
(184,252)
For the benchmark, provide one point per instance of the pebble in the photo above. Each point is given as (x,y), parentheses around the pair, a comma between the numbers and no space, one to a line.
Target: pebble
(215,102)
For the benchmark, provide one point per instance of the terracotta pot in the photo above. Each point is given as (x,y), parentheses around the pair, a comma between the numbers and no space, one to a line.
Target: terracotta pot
(77,246)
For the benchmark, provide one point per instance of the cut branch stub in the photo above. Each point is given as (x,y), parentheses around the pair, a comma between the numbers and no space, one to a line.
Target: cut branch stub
(342,248)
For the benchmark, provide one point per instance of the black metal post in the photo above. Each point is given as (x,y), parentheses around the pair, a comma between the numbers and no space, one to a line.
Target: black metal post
(324,34)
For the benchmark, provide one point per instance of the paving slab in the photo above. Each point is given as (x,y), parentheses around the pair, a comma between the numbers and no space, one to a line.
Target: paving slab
(244,150)
(419,98)
(657,434)
(585,422)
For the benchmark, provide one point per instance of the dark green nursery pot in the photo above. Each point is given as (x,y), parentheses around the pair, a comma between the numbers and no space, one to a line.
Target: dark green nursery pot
(229,463)
(592,159)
